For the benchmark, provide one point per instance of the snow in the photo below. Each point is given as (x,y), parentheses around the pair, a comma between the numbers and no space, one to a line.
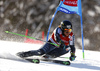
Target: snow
(10,62)
(86,41)
(97,8)
(91,13)
(97,28)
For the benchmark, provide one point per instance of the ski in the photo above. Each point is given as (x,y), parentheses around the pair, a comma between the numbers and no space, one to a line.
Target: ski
(57,61)
(37,61)
(46,58)
(62,62)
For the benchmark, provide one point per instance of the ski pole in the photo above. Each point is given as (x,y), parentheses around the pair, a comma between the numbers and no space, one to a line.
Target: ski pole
(31,38)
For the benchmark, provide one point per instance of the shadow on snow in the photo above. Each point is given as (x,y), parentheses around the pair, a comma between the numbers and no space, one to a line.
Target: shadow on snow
(84,66)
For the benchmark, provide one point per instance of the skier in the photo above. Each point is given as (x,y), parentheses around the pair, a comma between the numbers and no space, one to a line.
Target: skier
(62,36)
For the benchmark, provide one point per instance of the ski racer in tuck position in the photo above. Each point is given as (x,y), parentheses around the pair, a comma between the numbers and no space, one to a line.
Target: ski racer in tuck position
(62,36)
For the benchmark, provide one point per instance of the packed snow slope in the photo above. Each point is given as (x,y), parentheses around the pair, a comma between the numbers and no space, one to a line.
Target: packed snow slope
(10,62)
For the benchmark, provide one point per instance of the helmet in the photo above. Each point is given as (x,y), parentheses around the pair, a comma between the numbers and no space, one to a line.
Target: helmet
(66,25)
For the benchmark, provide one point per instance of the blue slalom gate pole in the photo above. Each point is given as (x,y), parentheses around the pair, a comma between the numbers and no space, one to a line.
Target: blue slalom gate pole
(51,24)
(53,19)
(82,36)
(80,13)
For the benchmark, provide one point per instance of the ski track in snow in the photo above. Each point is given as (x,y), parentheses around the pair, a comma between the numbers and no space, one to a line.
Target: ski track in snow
(10,62)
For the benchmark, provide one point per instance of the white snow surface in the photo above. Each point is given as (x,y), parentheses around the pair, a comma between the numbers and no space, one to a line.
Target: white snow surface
(10,62)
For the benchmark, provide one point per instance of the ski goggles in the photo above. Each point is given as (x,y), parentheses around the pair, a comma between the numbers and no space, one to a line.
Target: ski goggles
(69,30)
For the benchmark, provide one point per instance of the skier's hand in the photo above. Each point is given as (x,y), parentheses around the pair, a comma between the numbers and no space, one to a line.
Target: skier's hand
(62,45)
(72,57)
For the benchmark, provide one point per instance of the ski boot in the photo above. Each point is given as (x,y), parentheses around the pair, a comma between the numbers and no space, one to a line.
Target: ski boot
(29,53)
(24,54)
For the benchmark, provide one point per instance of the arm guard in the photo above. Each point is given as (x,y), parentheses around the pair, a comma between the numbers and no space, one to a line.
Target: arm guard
(71,43)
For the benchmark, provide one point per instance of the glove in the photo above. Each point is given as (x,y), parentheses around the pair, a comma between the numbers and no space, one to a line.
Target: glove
(72,57)
(62,45)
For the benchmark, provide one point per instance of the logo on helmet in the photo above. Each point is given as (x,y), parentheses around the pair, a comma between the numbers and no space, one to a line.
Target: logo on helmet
(68,26)
(62,23)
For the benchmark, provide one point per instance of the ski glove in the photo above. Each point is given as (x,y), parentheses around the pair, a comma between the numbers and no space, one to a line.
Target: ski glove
(62,45)
(72,57)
